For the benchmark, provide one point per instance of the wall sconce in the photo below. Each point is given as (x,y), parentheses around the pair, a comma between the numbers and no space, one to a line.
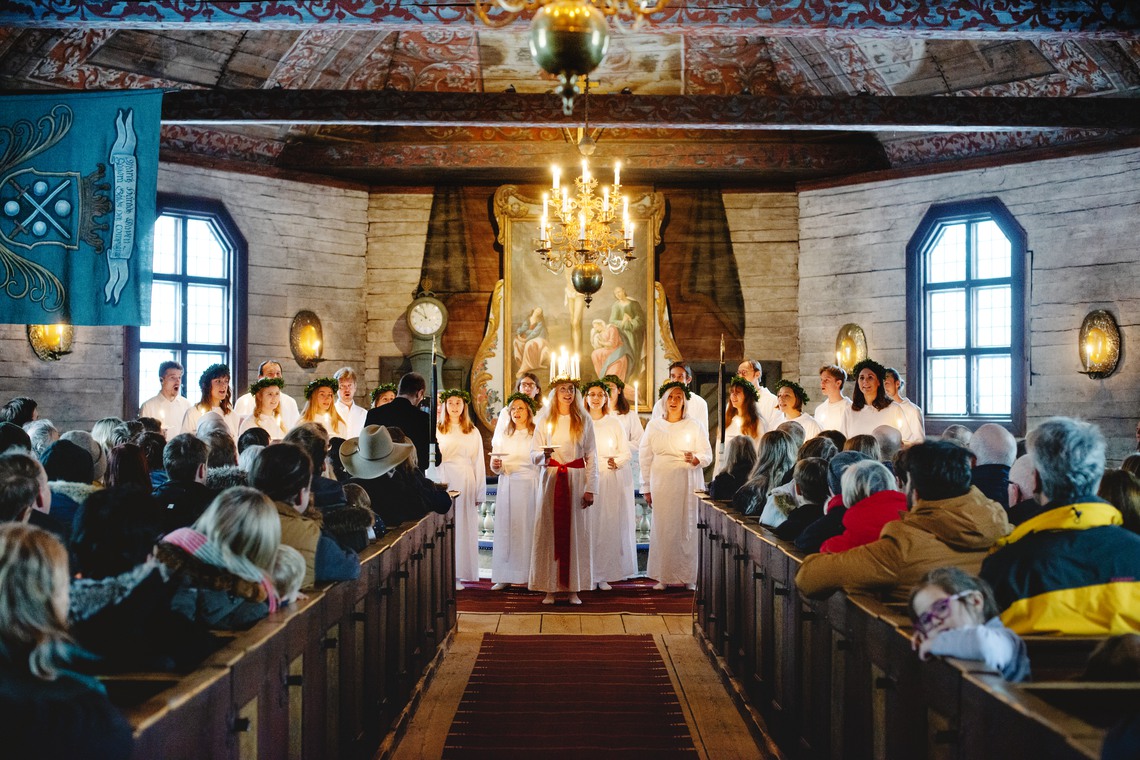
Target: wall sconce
(306,339)
(1099,344)
(51,342)
(850,347)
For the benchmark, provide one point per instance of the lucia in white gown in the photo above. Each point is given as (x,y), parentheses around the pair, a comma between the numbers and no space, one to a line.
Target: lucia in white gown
(553,428)
(671,481)
(614,552)
(743,408)
(463,469)
(515,504)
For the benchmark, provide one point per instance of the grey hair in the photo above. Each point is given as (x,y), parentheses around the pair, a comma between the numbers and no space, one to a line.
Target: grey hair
(1069,455)
(862,479)
(959,434)
(42,433)
(795,430)
(890,441)
(993,444)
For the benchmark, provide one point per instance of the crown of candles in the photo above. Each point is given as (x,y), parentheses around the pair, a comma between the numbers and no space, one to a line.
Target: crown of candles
(564,367)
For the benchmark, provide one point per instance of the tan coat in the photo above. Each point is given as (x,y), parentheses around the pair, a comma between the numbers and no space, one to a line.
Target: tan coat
(957,532)
(302,533)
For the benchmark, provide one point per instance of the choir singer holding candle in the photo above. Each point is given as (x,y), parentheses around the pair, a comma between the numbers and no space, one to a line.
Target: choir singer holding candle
(612,516)
(674,448)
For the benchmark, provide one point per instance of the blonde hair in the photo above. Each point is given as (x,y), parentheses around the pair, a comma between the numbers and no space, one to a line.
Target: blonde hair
(32,563)
(465,423)
(287,572)
(309,413)
(243,522)
(276,412)
(577,409)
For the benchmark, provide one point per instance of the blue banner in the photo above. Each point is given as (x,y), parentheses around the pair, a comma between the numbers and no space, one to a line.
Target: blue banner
(78,175)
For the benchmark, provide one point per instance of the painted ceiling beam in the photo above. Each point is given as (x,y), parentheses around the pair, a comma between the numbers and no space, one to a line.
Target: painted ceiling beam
(770,157)
(394,108)
(1110,19)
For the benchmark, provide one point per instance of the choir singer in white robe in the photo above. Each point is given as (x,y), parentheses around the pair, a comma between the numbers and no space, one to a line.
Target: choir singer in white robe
(673,451)
(516,502)
(612,517)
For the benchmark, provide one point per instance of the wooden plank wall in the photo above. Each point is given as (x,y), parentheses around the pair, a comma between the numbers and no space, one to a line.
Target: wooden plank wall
(765,240)
(1080,216)
(397,231)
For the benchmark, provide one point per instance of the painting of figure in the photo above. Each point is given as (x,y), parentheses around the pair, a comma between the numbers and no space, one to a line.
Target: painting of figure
(531,345)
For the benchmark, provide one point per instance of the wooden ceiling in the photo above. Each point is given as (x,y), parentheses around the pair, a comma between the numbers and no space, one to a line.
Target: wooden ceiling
(756,93)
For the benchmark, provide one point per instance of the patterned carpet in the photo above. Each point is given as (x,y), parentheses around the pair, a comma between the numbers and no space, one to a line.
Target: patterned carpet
(634,597)
(555,697)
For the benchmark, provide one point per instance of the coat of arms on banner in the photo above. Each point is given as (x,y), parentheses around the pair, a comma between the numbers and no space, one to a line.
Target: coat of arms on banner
(77,185)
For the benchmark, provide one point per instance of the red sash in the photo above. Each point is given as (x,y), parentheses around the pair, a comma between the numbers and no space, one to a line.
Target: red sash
(562,510)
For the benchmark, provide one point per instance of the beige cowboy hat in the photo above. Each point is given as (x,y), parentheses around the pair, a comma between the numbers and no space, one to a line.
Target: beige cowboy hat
(374,453)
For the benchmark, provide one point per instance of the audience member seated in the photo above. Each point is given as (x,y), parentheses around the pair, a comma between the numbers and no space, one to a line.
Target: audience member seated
(41,433)
(19,411)
(288,574)
(810,478)
(150,425)
(126,431)
(955,615)
(47,711)
(152,445)
(247,457)
(1022,485)
(184,497)
(950,523)
(386,469)
(995,450)
(1131,464)
(797,434)
(869,488)
(1122,490)
(23,487)
(784,499)
(353,524)
(1071,568)
(69,473)
(314,441)
(739,459)
(94,449)
(865,445)
(221,449)
(831,522)
(959,434)
(284,473)
(120,602)
(101,431)
(252,437)
(890,443)
(13,437)
(835,437)
(775,458)
(126,468)
(223,562)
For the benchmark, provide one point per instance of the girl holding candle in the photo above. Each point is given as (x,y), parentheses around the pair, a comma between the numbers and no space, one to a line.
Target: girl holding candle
(528,386)
(790,400)
(266,415)
(742,417)
(673,451)
(564,447)
(517,499)
(461,467)
(320,407)
(614,552)
(630,422)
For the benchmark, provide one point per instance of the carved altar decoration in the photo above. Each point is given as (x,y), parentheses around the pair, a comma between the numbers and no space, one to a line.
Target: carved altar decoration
(534,314)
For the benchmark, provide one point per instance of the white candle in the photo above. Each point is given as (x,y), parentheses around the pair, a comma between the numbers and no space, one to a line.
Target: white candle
(585,172)
(549,432)
(617,173)
(629,234)
(582,226)
(605,199)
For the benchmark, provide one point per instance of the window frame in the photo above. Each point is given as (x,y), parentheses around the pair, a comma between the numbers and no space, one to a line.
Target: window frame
(937,217)
(214,211)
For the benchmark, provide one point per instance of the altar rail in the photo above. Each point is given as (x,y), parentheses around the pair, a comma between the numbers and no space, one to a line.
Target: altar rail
(836,678)
(324,678)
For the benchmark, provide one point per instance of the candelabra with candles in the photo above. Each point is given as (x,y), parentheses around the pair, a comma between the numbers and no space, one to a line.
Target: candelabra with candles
(583,235)
(564,366)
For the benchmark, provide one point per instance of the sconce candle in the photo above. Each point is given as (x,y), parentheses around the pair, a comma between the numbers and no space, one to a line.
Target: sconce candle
(51,342)
(306,339)
(1099,344)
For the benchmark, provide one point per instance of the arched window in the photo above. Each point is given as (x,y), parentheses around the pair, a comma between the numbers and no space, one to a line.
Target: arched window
(197,305)
(966,324)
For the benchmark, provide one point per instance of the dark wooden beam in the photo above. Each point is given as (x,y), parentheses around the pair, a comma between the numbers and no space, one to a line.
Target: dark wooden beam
(1108,19)
(768,157)
(744,112)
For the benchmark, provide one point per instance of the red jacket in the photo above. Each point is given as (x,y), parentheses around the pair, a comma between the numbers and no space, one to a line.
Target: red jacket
(865,520)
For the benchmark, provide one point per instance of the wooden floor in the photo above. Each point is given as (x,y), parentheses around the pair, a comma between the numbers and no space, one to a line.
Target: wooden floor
(717,728)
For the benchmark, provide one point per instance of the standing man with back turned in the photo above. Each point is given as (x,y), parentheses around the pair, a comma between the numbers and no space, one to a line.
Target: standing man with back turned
(404,412)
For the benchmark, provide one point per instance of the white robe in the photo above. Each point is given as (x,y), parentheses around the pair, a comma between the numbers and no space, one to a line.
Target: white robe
(769,410)
(243,407)
(833,415)
(631,424)
(613,515)
(463,469)
(169,413)
(267,422)
(914,420)
(194,414)
(696,409)
(544,568)
(734,429)
(502,420)
(673,537)
(811,427)
(864,421)
(325,421)
(516,506)
(353,418)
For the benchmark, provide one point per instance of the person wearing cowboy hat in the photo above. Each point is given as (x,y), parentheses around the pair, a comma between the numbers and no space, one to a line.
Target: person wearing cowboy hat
(383,463)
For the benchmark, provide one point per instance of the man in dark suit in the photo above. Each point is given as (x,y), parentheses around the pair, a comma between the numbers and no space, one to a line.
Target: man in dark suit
(404,412)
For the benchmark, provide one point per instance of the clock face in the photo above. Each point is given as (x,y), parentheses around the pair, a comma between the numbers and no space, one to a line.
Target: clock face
(426,318)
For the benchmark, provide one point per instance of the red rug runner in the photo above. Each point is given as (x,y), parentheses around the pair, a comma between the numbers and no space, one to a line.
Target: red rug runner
(554,697)
(636,596)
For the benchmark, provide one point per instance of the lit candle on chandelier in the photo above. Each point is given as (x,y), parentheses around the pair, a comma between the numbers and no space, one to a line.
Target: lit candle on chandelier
(582,227)
(629,234)
(617,173)
(585,172)
(605,200)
